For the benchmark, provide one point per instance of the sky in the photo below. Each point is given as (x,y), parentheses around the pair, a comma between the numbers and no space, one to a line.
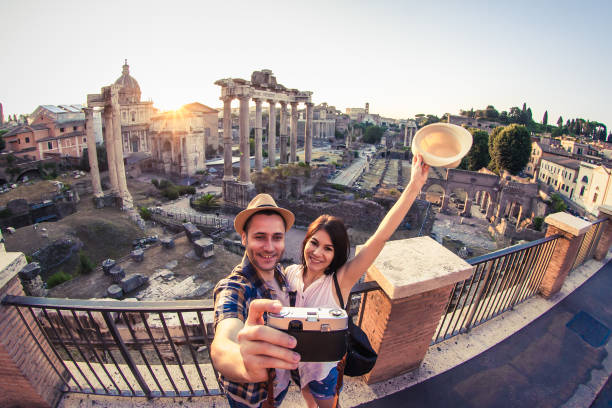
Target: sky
(403,57)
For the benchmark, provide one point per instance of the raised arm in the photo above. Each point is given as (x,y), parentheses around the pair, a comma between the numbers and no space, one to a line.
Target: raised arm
(242,352)
(350,273)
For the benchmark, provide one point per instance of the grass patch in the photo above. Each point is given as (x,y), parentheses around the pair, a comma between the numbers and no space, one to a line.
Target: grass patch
(58,278)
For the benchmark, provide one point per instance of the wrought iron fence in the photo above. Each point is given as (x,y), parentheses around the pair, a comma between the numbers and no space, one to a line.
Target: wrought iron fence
(152,349)
(589,242)
(500,280)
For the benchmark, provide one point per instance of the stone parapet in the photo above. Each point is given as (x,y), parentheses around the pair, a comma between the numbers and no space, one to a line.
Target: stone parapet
(605,234)
(416,276)
(566,249)
(27,378)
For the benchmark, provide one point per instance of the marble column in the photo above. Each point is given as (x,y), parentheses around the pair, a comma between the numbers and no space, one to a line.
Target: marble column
(283,133)
(294,126)
(258,134)
(109,144)
(245,163)
(227,139)
(121,178)
(94,171)
(272,134)
(308,133)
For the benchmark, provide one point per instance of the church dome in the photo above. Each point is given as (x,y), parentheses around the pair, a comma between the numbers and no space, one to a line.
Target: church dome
(130,91)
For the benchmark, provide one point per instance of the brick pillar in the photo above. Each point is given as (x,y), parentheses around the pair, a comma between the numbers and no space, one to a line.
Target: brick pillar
(571,230)
(605,234)
(26,378)
(401,320)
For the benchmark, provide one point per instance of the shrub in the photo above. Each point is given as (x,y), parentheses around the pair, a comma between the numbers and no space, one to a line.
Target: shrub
(86,265)
(537,223)
(5,213)
(66,187)
(155,182)
(57,278)
(163,184)
(171,193)
(145,213)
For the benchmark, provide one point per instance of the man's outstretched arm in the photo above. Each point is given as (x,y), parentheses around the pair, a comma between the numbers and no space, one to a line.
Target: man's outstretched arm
(242,352)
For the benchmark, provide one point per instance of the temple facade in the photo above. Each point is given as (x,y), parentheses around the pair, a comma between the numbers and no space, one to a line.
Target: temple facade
(135,114)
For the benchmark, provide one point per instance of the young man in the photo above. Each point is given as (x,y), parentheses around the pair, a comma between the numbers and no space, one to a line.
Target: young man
(244,348)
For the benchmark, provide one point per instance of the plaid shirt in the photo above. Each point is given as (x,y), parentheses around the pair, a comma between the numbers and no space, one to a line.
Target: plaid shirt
(232,296)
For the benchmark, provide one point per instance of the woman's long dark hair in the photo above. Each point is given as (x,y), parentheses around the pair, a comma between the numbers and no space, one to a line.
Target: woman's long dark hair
(339,238)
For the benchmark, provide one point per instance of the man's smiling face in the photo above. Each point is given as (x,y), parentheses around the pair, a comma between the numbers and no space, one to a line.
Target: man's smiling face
(264,241)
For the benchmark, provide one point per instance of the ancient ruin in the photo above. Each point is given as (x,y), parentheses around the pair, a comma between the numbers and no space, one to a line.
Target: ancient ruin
(262,87)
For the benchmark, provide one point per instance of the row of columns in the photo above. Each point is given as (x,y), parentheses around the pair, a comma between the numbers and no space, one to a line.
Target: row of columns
(243,122)
(114,150)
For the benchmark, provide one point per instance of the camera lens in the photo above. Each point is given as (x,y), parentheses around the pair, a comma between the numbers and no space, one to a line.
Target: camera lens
(335,312)
(295,325)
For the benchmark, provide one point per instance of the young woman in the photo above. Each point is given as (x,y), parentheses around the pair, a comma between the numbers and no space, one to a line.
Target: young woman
(325,251)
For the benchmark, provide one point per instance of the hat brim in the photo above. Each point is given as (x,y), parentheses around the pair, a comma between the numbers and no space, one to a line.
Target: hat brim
(244,215)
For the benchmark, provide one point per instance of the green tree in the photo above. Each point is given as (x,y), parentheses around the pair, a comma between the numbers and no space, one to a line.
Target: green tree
(2,141)
(373,134)
(557,204)
(560,122)
(478,156)
(206,202)
(102,160)
(511,148)
(545,118)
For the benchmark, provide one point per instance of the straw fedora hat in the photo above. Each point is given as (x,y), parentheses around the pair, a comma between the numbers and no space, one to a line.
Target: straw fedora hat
(262,202)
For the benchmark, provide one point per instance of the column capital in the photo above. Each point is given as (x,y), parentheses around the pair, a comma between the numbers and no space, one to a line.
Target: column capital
(310,104)
(271,101)
(244,97)
(257,100)
(87,110)
(226,98)
(283,104)
(294,104)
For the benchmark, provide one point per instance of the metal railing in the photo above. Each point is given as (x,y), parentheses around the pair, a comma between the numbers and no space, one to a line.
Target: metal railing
(179,217)
(589,242)
(500,281)
(152,349)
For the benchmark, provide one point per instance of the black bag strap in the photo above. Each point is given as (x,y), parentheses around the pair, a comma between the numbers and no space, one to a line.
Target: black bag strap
(292,296)
(338,292)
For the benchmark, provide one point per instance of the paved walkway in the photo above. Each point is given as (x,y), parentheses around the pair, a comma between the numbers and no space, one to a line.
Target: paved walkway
(559,360)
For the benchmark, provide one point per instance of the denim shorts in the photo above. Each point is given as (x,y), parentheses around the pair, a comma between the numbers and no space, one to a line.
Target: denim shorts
(326,388)
(277,400)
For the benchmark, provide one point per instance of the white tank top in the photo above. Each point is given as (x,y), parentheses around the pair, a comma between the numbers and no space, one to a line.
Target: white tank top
(320,293)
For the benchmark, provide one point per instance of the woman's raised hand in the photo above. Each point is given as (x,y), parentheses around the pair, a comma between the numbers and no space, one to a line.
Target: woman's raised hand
(419,172)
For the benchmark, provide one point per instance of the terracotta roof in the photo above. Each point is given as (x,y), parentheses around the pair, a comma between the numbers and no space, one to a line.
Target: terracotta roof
(24,129)
(67,135)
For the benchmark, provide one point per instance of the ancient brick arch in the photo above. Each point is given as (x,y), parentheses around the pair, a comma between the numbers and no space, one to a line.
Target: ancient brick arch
(498,197)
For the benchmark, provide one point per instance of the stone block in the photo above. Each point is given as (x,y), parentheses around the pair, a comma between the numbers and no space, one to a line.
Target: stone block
(132,282)
(30,271)
(204,247)
(107,265)
(167,242)
(117,273)
(137,255)
(193,233)
(114,291)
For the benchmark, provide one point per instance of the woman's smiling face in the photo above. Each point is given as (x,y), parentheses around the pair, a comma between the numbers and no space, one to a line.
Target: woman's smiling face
(319,252)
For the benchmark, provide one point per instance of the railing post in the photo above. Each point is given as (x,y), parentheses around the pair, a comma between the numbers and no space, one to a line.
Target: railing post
(605,234)
(572,230)
(27,379)
(417,276)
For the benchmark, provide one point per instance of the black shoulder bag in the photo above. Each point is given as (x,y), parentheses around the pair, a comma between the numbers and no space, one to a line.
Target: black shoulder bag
(360,356)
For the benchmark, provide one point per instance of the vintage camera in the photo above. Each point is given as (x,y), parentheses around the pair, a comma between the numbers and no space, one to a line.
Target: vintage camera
(320,332)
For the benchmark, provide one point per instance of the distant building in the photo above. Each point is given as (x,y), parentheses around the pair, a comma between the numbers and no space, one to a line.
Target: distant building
(593,187)
(560,173)
(135,114)
(575,147)
(481,124)
(55,130)
(540,150)
(180,139)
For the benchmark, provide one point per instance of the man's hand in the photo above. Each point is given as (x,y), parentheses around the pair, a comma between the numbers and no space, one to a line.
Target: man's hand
(264,347)
(243,352)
